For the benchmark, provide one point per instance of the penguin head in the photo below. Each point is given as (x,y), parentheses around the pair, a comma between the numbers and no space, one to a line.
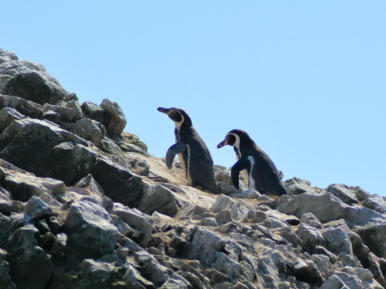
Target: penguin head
(235,138)
(179,116)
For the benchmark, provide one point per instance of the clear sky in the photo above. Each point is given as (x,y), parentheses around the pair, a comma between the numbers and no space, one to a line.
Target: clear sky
(306,79)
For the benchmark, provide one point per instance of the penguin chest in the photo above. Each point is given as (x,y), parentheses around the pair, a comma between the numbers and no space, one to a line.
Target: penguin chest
(251,180)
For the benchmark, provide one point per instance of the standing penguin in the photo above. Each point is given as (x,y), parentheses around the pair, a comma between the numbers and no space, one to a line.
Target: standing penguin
(262,173)
(193,153)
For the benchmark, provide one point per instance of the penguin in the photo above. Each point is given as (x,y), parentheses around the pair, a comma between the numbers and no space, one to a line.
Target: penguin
(262,173)
(193,153)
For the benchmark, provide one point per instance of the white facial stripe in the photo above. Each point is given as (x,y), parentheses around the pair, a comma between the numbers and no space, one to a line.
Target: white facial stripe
(178,124)
(251,181)
(236,144)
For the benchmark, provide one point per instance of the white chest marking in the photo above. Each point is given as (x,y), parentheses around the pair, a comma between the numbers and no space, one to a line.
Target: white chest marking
(251,181)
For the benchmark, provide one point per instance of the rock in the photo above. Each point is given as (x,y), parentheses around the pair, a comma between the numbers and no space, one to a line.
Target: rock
(277,224)
(90,130)
(374,236)
(36,156)
(247,194)
(90,232)
(93,111)
(23,185)
(114,119)
(325,207)
(343,193)
(151,269)
(311,237)
(310,219)
(96,275)
(296,186)
(375,203)
(66,112)
(139,166)
(137,220)
(158,198)
(118,183)
(337,241)
(30,266)
(133,279)
(5,280)
(8,114)
(73,161)
(357,216)
(334,282)
(36,208)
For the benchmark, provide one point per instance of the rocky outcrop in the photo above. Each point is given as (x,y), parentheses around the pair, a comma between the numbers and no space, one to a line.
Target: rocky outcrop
(83,205)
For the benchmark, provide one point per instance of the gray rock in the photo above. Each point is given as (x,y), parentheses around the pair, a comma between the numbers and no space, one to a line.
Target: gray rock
(5,228)
(310,236)
(23,185)
(133,279)
(357,216)
(93,111)
(223,217)
(30,266)
(96,275)
(375,203)
(137,220)
(8,114)
(118,183)
(247,194)
(73,161)
(5,280)
(374,236)
(151,269)
(36,208)
(90,130)
(139,166)
(67,113)
(296,186)
(337,241)
(205,245)
(343,193)
(334,282)
(36,156)
(277,224)
(131,143)
(114,119)
(325,207)
(310,219)
(158,198)
(90,233)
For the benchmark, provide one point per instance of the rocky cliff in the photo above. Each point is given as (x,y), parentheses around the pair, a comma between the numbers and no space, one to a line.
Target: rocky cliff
(83,205)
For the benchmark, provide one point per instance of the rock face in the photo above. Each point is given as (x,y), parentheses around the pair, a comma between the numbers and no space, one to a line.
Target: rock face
(83,205)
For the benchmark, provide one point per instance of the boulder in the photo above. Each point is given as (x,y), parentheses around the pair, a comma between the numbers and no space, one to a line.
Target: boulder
(325,207)
(296,186)
(35,209)
(8,114)
(374,236)
(114,120)
(337,241)
(310,219)
(90,232)
(158,198)
(358,216)
(343,193)
(30,266)
(90,130)
(67,112)
(5,280)
(93,111)
(28,80)
(310,236)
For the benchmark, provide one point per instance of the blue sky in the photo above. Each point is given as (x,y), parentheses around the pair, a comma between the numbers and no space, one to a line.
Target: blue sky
(306,79)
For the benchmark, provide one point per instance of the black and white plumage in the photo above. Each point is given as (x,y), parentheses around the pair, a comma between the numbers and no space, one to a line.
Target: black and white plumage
(262,173)
(193,153)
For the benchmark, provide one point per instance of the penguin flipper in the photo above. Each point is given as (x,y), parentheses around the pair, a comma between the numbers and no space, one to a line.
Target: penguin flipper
(177,148)
(240,165)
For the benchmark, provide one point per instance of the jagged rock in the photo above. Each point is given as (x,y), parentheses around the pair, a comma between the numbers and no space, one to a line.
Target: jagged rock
(90,130)
(139,166)
(325,207)
(36,156)
(36,208)
(118,183)
(114,153)
(337,240)
(133,279)
(310,219)
(151,269)
(23,106)
(30,266)
(28,80)
(311,237)
(277,224)
(374,236)
(357,216)
(8,114)
(343,193)
(66,112)
(90,232)
(114,120)
(375,203)
(72,161)
(158,198)
(247,194)
(24,185)
(296,186)
(137,220)
(5,280)
(93,111)
(96,275)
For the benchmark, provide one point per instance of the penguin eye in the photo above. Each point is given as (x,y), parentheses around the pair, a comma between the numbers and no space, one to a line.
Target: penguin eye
(231,139)
(175,116)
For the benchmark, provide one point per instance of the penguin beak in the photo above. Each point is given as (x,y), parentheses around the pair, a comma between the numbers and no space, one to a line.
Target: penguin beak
(164,110)
(223,143)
